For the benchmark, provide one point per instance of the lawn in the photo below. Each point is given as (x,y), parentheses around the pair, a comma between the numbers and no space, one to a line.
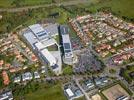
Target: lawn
(68,70)
(47,93)
(125,73)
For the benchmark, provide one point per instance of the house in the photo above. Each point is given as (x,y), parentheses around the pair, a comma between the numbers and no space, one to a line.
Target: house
(116,43)
(72,91)
(87,84)
(5,78)
(36,75)
(101,81)
(69,92)
(17,79)
(6,95)
(27,76)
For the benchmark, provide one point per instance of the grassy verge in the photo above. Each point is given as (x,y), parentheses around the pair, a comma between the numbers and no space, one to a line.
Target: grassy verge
(51,93)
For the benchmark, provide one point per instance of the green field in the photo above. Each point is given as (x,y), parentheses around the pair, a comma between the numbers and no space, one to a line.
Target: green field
(44,92)
(119,7)
(19,3)
(68,70)
(9,3)
(51,93)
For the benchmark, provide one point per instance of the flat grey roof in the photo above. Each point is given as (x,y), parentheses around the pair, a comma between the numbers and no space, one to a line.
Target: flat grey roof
(67,46)
(30,37)
(52,29)
(39,31)
(64,29)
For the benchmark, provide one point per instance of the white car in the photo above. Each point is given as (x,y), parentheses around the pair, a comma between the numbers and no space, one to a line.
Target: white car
(27,76)
(17,79)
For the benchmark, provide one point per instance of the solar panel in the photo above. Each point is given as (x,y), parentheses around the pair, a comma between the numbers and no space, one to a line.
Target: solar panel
(54,66)
(67,46)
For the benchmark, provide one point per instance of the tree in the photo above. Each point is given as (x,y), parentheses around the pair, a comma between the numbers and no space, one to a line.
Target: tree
(17,3)
(112,71)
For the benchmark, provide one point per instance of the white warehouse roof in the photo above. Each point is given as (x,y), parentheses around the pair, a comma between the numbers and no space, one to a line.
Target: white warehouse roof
(49,42)
(69,92)
(30,37)
(50,58)
(36,28)
(66,38)
(52,29)
(44,44)
(39,31)
(39,45)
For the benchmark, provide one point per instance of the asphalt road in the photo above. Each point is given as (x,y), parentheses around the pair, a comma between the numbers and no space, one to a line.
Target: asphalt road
(19,9)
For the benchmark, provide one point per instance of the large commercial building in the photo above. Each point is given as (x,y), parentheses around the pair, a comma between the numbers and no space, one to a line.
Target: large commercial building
(39,31)
(52,29)
(39,39)
(48,57)
(68,54)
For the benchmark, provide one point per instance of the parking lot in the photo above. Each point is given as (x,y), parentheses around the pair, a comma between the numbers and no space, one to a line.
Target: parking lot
(87,62)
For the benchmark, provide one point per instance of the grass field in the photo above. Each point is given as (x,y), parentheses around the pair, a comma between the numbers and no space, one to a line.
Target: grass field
(120,7)
(9,3)
(68,70)
(48,93)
